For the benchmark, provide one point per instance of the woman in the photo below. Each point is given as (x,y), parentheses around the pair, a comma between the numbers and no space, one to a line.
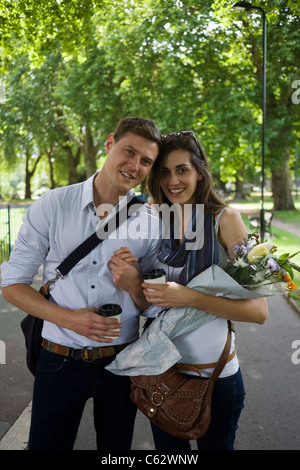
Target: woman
(181,176)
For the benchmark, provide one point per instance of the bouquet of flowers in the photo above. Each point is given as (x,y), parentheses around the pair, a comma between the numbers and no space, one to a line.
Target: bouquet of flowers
(256,266)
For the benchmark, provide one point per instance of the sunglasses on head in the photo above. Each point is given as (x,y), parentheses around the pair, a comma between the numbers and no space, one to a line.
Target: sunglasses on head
(179,134)
(192,134)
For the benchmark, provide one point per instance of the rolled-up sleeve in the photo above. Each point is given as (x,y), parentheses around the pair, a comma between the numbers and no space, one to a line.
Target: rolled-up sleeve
(31,248)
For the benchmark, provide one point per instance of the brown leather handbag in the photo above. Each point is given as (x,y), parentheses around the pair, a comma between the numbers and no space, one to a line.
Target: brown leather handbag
(177,403)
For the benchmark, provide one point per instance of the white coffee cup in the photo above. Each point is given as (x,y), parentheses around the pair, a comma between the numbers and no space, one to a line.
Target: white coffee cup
(111,311)
(155,276)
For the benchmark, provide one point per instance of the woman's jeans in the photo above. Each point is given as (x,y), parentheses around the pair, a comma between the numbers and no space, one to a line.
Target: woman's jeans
(227,404)
(62,387)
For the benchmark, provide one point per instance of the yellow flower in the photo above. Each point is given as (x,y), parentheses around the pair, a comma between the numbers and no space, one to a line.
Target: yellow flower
(259,251)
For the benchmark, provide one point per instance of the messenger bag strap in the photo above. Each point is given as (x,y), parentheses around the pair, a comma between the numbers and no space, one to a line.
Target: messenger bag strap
(90,243)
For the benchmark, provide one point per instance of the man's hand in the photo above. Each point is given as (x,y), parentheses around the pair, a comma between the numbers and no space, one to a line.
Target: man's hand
(88,323)
(84,321)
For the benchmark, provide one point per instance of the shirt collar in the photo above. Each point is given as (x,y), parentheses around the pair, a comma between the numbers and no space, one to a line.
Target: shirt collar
(88,194)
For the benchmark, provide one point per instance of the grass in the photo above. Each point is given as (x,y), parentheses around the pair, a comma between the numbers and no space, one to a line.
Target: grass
(253,204)
(289,217)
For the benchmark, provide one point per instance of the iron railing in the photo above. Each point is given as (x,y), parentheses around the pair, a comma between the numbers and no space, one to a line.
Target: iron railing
(11,217)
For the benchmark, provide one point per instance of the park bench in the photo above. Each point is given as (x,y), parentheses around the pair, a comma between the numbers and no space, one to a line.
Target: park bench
(254,222)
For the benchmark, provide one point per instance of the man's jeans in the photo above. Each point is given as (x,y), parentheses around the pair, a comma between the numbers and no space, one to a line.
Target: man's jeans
(227,404)
(62,387)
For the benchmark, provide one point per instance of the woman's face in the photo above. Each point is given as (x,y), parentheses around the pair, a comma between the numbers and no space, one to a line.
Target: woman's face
(179,177)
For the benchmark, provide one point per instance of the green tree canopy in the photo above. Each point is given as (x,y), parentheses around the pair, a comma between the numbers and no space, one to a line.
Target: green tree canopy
(73,69)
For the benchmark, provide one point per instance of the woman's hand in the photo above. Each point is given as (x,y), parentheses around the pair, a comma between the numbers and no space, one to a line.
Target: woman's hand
(126,275)
(168,295)
(126,270)
(125,254)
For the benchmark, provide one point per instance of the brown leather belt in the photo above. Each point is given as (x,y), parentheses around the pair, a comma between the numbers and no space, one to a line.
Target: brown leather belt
(198,367)
(85,354)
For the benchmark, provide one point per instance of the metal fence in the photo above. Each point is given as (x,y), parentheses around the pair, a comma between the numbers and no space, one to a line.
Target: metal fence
(11,217)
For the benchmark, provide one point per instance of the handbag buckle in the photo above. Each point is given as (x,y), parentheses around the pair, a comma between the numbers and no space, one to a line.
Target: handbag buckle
(157,399)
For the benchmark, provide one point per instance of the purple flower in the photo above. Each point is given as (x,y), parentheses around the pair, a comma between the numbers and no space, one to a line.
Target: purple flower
(241,249)
(245,249)
(273,265)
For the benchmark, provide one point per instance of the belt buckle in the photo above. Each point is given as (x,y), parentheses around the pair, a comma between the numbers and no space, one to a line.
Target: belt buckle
(82,355)
(98,353)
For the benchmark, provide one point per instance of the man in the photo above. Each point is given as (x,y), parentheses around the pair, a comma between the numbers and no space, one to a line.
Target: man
(53,227)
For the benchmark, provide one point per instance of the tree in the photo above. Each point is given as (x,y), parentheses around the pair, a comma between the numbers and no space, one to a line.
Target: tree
(283,49)
(184,64)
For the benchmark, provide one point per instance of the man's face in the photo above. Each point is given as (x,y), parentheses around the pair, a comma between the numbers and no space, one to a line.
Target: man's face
(129,160)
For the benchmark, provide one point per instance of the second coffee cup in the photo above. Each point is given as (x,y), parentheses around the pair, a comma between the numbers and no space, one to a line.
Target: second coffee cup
(155,276)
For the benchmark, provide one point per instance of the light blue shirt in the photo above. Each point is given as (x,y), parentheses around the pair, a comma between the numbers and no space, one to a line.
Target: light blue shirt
(53,227)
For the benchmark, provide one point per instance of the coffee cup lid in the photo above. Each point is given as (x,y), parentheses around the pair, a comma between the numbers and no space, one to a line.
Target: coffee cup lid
(107,310)
(154,273)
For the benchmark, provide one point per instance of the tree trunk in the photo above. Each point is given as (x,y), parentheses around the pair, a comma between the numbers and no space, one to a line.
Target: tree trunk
(90,152)
(281,188)
(29,174)
(239,189)
(73,161)
(27,186)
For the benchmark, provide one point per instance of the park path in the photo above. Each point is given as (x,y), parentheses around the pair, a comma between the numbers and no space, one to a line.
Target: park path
(289,227)
(292,228)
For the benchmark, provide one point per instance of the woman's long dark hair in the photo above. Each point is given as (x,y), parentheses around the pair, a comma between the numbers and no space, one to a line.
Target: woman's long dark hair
(205,192)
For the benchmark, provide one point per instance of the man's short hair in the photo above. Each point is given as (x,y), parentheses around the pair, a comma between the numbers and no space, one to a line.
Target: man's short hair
(139,126)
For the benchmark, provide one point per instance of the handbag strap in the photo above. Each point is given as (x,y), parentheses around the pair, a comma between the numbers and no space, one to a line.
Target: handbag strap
(91,242)
(218,366)
(198,367)
(224,356)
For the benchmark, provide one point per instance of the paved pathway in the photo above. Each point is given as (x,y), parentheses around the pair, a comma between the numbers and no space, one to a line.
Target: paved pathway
(268,359)
(289,227)
(292,228)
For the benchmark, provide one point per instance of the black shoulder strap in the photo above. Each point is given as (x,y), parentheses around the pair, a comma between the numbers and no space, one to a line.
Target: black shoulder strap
(90,243)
